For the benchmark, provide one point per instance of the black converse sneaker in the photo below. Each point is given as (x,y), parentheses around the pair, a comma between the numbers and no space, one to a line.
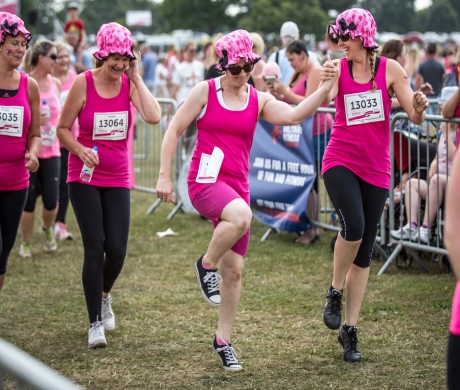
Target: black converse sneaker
(228,356)
(208,280)
(349,341)
(332,310)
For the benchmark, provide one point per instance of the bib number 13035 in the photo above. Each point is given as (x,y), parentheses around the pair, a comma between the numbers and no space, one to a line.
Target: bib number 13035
(11,120)
(110,126)
(364,107)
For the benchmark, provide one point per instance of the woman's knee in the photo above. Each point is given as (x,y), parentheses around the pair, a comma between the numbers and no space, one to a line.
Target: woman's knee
(352,227)
(239,214)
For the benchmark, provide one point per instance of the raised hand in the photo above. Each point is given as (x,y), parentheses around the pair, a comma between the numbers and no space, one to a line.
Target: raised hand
(419,102)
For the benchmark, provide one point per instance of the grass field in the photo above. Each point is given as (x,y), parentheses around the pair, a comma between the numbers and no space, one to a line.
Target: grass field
(165,329)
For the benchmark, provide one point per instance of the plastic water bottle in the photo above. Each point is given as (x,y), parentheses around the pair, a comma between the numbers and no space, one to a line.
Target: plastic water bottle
(46,113)
(87,172)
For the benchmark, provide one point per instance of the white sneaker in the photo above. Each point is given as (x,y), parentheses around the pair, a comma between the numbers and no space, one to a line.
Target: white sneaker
(96,336)
(24,250)
(407,232)
(108,318)
(48,239)
(60,232)
(424,235)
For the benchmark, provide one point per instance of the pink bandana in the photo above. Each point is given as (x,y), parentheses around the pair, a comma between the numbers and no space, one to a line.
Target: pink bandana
(113,38)
(12,25)
(233,46)
(358,22)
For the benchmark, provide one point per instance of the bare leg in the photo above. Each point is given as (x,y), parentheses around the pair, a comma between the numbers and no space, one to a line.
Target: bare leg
(312,213)
(415,194)
(48,217)
(231,267)
(435,198)
(26,226)
(356,286)
(235,221)
(344,255)
(2,280)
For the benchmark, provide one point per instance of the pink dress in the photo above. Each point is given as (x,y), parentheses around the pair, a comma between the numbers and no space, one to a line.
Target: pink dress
(104,123)
(363,148)
(14,128)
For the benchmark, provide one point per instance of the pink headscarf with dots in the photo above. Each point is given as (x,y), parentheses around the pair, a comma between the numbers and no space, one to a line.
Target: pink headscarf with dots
(233,46)
(12,25)
(359,23)
(113,38)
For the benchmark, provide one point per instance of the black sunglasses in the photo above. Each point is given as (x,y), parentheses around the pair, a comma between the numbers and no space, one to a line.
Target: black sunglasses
(53,56)
(235,70)
(338,34)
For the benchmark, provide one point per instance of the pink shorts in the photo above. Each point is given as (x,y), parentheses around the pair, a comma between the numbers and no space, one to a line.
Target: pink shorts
(211,201)
(455,319)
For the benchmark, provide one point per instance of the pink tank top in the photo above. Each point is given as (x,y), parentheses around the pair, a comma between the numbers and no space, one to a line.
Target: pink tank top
(15,118)
(65,88)
(104,123)
(233,132)
(364,148)
(457,115)
(324,121)
(50,142)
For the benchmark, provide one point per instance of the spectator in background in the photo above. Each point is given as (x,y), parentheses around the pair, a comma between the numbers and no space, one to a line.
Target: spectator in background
(288,34)
(188,74)
(212,71)
(412,64)
(209,57)
(431,71)
(149,63)
(87,62)
(161,78)
(75,25)
(258,48)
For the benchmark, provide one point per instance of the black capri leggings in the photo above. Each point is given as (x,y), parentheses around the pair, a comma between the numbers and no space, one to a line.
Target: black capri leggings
(11,207)
(63,187)
(45,181)
(453,362)
(359,206)
(103,217)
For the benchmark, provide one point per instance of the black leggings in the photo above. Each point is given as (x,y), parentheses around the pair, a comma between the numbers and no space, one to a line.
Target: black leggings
(453,362)
(359,206)
(103,217)
(45,181)
(11,207)
(63,187)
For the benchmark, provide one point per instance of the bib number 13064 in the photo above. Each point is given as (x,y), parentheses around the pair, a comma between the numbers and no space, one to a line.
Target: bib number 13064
(364,107)
(110,126)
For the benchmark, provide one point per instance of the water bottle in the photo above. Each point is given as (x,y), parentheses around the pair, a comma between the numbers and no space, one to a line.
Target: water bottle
(87,172)
(46,113)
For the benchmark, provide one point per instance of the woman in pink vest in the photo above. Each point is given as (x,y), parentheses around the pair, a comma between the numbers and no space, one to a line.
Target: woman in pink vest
(20,141)
(40,61)
(101,98)
(356,164)
(227,109)
(66,76)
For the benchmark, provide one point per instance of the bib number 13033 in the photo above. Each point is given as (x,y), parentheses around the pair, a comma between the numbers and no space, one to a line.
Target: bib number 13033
(364,107)
(110,126)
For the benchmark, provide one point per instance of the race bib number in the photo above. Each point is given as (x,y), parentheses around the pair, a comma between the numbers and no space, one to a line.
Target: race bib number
(110,126)
(364,107)
(48,135)
(11,119)
(64,95)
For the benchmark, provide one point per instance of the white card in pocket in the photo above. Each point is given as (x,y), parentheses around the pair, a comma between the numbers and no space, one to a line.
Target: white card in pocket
(210,166)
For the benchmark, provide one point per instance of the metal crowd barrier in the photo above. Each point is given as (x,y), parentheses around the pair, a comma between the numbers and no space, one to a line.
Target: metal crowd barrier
(28,372)
(147,149)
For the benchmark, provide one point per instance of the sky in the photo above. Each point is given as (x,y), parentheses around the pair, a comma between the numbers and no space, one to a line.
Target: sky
(420,4)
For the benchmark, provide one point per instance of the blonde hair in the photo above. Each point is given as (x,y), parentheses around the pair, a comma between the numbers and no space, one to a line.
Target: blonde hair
(258,42)
(372,62)
(40,47)
(413,61)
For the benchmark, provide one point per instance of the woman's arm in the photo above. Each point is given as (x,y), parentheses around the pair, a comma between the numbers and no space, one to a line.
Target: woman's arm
(186,113)
(34,141)
(449,107)
(413,103)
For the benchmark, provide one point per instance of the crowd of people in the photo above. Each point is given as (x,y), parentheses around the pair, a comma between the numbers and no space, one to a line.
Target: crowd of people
(66,125)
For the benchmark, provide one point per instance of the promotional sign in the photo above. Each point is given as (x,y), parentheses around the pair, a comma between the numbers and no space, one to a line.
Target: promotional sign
(282,172)
(10,6)
(138,18)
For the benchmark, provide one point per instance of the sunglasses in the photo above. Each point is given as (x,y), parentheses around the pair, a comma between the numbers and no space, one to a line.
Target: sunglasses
(235,70)
(338,34)
(53,56)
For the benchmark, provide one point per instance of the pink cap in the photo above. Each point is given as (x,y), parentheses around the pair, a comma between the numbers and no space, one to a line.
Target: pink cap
(271,69)
(233,46)
(12,25)
(113,38)
(359,23)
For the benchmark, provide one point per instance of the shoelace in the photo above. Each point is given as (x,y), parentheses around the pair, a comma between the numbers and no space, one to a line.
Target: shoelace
(230,354)
(96,326)
(106,307)
(212,279)
(336,302)
(352,338)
